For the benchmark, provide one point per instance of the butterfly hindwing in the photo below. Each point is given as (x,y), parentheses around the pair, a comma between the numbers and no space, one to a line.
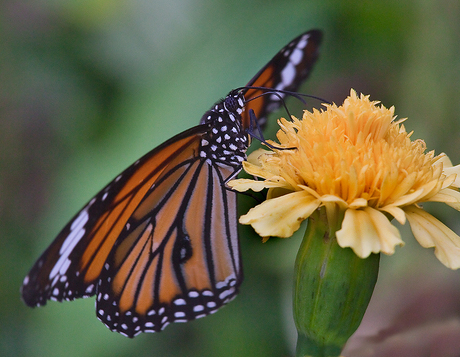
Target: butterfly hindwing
(164,269)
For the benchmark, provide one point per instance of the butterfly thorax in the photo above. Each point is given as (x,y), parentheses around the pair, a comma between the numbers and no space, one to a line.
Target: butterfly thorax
(226,142)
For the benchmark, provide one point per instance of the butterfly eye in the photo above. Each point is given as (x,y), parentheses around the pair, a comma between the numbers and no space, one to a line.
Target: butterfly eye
(231,103)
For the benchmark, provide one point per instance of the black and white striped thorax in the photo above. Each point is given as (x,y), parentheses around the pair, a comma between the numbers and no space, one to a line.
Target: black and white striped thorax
(226,142)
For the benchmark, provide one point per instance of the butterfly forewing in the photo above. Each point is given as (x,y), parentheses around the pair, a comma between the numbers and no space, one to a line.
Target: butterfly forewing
(71,265)
(286,71)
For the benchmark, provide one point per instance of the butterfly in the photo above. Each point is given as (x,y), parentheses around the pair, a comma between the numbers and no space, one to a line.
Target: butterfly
(159,244)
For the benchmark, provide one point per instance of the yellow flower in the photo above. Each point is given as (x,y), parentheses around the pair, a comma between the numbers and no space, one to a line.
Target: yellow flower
(359,163)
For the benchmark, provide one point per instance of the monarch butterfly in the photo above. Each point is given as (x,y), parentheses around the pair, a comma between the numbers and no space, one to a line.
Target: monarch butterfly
(159,244)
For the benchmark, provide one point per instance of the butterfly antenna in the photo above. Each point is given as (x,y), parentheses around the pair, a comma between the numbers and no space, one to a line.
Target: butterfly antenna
(253,123)
(296,95)
(280,97)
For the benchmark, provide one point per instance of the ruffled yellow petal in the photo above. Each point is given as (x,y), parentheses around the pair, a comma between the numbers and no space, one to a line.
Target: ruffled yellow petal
(448,196)
(281,216)
(396,212)
(430,232)
(254,156)
(256,170)
(242,185)
(455,171)
(368,231)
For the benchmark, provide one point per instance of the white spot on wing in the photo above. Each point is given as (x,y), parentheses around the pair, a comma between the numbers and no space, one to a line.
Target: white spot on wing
(288,74)
(296,56)
(77,231)
(226,293)
(198,308)
(179,302)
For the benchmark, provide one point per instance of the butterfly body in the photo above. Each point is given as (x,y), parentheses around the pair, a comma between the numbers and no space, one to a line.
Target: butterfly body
(159,244)
(227,141)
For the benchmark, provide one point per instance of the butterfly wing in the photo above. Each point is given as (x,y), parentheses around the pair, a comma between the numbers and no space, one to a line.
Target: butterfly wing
(286,71)
(71,265)
(159,244)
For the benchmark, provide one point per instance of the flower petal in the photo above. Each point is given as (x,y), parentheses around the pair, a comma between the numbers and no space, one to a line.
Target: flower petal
(368,231)
(281,216)
(242,185)
(396,212)
(256,170)
(410,198)
(449,169)
(449,196)
(254,156)
(430,232)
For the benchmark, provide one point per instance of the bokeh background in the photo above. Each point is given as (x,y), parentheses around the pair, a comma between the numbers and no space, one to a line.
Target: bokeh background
(87,87)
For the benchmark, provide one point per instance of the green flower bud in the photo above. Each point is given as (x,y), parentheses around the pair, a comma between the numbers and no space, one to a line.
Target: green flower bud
(332,289)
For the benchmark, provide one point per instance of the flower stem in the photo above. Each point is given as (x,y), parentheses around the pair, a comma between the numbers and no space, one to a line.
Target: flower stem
(332,288)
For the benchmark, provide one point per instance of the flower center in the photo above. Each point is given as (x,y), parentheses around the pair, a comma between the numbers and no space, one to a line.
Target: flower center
(353,151)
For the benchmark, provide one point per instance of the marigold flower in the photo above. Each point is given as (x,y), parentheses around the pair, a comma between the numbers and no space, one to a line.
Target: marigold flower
(359,161)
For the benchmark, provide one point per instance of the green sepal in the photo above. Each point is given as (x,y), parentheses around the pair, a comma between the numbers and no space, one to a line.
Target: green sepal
(332,289)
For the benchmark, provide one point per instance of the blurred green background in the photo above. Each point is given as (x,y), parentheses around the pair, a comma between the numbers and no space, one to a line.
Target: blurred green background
(87,87)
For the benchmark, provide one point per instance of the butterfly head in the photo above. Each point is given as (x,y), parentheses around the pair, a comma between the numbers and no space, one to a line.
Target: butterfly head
(234,102)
